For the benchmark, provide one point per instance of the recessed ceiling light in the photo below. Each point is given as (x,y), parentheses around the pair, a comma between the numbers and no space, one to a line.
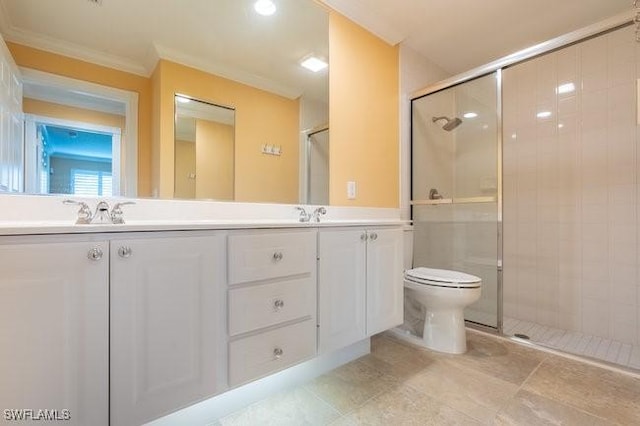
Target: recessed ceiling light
(265,7)
(470,115)
(183,100)
(314,64)
(566,88)
(544,114)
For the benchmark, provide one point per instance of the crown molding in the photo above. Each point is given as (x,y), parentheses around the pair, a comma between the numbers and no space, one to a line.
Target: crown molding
(227,72)
(72,50)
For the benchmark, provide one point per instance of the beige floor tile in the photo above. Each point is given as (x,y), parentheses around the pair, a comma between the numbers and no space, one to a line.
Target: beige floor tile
(398,360)
(530,409)
(348,387)
(406,406)
(500,358)
(296,408)
(472,392)
(600,392)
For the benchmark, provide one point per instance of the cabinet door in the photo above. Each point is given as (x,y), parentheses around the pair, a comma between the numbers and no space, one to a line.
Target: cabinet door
(167,317)
(54,328)
(385,300)
(341,288)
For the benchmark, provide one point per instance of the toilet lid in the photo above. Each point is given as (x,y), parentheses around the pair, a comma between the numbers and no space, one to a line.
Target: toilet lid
(442,277)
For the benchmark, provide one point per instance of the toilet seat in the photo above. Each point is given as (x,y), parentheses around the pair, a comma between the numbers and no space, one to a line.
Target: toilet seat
(442,278)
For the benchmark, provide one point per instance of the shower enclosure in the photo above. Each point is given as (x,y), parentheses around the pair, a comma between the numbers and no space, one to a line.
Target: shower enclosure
(455,135)
(536,191)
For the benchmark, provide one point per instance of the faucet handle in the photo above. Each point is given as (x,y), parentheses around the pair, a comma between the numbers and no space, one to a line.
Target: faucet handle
(84,213)
(117,213)
(319,212)
(304,216)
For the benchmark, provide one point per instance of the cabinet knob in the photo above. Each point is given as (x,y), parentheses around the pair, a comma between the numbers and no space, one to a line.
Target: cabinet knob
(277,353)
(374,236)
(95,254)
(125,252)
(364,236)
(278,304)
(277,256)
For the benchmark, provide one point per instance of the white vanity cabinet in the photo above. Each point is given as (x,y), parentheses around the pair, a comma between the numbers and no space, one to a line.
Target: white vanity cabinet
(272,301)
(167,324)
(54,301)
(360,285)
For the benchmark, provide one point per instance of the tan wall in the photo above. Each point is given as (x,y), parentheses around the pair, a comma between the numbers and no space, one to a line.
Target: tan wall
(61,65)
(185,166)
(64,112)
(363,115)
(214,160)
(261,118)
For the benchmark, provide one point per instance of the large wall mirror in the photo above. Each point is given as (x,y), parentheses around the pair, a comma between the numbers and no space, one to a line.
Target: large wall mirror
(114,120)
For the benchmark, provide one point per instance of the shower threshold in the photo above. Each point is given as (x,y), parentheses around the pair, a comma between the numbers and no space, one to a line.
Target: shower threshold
(598,348)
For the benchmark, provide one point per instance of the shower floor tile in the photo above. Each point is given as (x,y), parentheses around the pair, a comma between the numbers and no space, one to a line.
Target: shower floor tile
(608,350)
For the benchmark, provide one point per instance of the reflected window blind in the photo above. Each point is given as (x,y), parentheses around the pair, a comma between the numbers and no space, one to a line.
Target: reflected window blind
(91,182)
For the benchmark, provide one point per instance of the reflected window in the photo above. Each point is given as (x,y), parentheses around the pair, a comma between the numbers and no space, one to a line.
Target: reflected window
(91,182)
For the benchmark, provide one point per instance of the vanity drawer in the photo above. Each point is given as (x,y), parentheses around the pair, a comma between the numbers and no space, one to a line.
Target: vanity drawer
(251,308)
(261,256)
(253,357)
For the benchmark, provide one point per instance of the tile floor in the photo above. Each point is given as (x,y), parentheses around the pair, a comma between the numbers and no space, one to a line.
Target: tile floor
(495,382)
(573,342)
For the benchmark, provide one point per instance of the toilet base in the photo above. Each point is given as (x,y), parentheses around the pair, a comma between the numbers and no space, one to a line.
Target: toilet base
(407,336)
(444,331)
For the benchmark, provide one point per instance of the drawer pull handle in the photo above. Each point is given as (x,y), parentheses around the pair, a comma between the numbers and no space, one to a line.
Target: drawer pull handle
(125,252)
(95,254)
(277,353)
(277,256)
(278,304)
(374,236)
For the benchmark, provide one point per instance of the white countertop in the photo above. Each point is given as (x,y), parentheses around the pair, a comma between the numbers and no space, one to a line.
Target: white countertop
(36,215)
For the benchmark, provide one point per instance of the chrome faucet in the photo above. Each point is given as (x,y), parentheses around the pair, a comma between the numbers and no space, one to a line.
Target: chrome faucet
(304,215)
(317,213)
(102,213)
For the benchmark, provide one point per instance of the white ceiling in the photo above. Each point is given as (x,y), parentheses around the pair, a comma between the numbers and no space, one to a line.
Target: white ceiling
(225,37)
(459,35)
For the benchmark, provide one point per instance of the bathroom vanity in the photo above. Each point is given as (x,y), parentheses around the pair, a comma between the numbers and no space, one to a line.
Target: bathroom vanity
(122,324)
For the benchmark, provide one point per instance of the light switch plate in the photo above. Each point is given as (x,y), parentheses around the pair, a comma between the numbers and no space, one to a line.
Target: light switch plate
(351,190)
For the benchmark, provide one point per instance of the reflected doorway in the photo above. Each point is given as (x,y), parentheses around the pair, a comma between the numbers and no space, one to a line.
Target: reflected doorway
(71,157)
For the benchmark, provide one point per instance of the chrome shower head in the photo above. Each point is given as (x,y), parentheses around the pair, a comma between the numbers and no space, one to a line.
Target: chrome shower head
(451,123)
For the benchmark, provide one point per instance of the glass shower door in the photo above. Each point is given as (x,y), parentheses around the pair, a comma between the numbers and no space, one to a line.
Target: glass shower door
(455,186)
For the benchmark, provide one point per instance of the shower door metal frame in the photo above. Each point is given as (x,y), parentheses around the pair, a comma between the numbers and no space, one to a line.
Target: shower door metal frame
(308,134)
(497,66)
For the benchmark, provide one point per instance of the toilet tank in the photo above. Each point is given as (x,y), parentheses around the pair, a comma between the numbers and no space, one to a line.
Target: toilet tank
(408,247)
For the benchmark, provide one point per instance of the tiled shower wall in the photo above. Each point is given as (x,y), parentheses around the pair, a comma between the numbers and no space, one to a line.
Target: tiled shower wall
(570,188)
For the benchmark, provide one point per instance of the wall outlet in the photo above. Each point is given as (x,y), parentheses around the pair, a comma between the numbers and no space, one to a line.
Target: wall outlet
(351,190)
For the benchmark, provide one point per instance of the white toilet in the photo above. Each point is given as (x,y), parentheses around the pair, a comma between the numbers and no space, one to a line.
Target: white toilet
(444,295)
